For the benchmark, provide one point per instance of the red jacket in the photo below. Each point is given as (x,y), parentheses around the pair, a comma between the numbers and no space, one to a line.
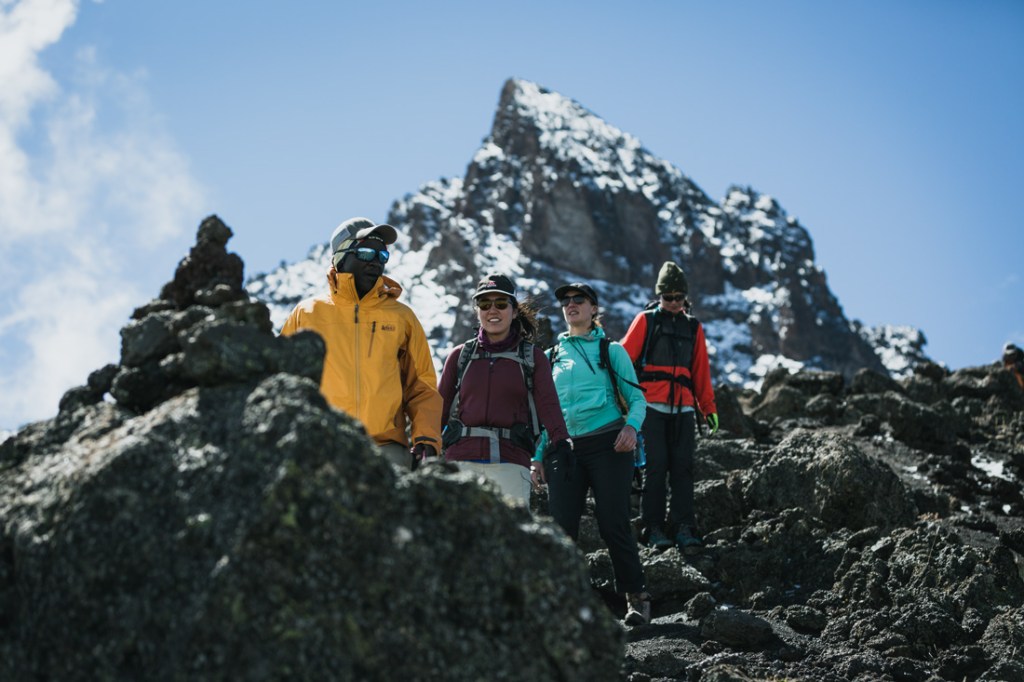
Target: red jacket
(493,393)
(695,377)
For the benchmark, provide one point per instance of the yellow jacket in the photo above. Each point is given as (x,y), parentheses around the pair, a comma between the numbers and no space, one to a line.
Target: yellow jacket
(378,365)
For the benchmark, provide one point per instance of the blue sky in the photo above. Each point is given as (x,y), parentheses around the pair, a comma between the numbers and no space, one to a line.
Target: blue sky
(892,130)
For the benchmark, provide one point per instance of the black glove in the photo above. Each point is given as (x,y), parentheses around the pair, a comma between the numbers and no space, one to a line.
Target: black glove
(561,458)
(420,452)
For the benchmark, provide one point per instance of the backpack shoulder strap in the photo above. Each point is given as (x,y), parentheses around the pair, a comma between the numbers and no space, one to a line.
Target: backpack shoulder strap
(465,358)
(528,364)
(653,326)
(605,354)
(693,334)
(553,353)
(527,360)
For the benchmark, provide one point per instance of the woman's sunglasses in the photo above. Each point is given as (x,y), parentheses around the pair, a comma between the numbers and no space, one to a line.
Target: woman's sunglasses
(577,299)
(500,303)
(366,254)
(673,298)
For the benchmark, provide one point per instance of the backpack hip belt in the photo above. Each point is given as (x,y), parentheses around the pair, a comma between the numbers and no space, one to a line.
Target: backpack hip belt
(680,379)
(492,434)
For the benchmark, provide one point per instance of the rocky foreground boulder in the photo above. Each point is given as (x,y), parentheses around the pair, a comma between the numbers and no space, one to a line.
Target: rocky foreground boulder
(198,512)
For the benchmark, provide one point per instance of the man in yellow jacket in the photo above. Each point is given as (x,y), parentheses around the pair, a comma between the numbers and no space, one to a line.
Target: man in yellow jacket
(378,366)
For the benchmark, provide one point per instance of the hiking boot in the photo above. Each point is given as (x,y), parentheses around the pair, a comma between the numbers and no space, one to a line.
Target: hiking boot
(658,540)
(687,541)
(638,608)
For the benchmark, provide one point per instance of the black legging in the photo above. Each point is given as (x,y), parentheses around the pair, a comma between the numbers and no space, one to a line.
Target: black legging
(610,474)
(669,441)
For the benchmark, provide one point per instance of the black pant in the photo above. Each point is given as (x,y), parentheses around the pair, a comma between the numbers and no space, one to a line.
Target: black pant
(596,465)
(669,440)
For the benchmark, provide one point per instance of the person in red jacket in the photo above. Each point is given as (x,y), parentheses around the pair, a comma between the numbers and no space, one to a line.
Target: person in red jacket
(498,393)
(667,347)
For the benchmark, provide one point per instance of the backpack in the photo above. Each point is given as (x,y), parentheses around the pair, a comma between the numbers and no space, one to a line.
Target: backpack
(524,356)
(653,327)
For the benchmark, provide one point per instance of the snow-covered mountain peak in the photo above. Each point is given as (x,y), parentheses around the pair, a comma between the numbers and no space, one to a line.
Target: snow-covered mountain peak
(556,194)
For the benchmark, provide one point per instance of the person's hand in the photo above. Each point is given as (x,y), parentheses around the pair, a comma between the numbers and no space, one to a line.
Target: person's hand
(420,452)
(537,474)
(712,420)
(561,457)
(626,440)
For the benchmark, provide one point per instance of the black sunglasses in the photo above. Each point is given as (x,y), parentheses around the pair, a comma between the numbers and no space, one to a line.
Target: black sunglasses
(575,298)
(366,254)
(500,303)
(673,298)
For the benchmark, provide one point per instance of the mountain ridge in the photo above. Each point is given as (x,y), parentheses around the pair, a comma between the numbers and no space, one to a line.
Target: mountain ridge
(556,194)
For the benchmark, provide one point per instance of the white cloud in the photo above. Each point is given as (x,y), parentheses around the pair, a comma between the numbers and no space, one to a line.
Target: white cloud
(91,190)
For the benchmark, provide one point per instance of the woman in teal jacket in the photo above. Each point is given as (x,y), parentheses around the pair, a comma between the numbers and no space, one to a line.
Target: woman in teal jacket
(603,441)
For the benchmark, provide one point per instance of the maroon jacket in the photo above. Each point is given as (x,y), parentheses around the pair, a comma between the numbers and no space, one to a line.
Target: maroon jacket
(493,393)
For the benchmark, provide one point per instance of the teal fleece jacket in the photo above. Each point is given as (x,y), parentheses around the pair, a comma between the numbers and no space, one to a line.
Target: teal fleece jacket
(585,389)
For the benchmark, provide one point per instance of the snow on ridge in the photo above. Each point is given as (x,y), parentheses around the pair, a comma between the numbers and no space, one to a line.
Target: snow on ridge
(898,346)
(284,286)
(614,159)
(487,152)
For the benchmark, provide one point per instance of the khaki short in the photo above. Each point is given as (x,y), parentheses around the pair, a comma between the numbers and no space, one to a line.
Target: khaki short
(512,480)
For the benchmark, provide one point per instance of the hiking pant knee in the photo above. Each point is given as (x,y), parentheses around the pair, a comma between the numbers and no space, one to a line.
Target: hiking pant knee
(610,475)
(670,441)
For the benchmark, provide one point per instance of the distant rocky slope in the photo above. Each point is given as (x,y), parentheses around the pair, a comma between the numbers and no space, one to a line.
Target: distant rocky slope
(556,194)
(198,512)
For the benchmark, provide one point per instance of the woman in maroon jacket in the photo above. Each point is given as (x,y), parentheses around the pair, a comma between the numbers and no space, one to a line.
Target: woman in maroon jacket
(498,393)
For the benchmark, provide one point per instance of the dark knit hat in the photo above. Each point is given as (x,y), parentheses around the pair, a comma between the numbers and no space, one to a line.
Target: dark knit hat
(670,279)
(495,283)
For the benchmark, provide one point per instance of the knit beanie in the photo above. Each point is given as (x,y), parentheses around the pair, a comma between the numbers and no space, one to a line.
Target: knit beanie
(670,279)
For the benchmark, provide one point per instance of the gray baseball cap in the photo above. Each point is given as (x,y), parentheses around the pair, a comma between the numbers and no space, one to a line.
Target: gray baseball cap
(354,229)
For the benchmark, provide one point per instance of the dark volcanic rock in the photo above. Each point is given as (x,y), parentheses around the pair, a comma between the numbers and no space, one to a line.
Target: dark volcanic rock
(832,478)
(217,520)
(197,512)
(736,628)
(875,528)
(209,275)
